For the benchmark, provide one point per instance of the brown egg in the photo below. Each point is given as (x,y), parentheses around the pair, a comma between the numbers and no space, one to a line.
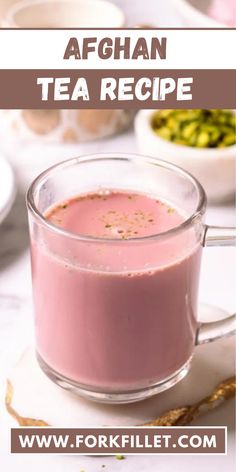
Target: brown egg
(41,121)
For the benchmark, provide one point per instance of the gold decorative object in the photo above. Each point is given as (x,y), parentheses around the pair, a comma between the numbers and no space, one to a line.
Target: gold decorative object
(22,421)
(185,415)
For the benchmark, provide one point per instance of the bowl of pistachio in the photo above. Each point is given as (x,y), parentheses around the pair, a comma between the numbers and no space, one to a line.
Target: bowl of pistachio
(203,142)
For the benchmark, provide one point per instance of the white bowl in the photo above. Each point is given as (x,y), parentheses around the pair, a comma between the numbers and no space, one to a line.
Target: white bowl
(194,13)
(7,188)
(214,168)
(64,14)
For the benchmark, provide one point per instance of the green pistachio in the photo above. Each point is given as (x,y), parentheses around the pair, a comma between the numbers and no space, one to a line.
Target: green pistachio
(196,128)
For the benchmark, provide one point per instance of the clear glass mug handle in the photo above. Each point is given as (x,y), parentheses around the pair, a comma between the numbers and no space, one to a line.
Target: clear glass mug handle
(208,332)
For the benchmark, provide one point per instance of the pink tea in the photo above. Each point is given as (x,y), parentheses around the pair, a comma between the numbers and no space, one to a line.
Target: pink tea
(118,312)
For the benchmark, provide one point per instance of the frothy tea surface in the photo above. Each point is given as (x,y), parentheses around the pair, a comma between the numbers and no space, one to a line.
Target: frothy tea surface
(115,215)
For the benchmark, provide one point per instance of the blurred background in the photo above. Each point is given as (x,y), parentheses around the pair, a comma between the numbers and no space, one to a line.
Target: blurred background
(176,13)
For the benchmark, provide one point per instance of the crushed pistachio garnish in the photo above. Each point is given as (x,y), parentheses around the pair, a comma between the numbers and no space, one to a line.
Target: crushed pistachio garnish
(126,224)
(114,221)
(120,457)
(196,128)
(170,210)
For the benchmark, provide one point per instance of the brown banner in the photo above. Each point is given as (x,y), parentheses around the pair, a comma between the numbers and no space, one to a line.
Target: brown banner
(154,440)
(209,89)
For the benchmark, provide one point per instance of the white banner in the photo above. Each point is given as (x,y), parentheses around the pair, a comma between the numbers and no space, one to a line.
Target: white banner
(104,49)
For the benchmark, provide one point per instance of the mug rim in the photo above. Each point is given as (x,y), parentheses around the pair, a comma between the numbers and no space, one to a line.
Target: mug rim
(198,213)
(22,4)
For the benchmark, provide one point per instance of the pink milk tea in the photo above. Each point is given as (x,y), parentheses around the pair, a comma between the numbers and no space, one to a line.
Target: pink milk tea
(122,314)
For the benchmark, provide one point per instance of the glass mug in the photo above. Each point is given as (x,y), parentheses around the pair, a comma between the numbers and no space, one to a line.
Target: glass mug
(116,319)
